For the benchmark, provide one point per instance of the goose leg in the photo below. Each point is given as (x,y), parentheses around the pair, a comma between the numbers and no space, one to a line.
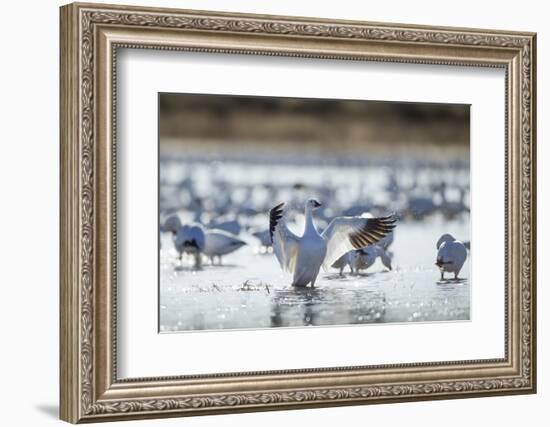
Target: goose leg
(313,281)
(212,260)
(342,271)
(197,261)
(442,278)
(219,259)
(456,275)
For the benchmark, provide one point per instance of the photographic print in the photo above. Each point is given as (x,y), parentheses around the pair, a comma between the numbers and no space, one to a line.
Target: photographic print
(293,212)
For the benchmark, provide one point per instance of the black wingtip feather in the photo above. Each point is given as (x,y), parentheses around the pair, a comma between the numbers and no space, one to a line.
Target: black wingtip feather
(375,229)
(275,214)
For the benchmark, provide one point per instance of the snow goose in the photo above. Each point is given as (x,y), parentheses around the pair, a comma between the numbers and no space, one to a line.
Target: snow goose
(303,256)
(420,206)
(190,239)
(348,259)
(451,255)
(231,226)
(171,223)
(366,257)
(362,259)
(219,242)
(453,208)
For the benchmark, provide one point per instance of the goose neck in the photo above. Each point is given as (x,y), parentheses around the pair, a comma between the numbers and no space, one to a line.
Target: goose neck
(310,226)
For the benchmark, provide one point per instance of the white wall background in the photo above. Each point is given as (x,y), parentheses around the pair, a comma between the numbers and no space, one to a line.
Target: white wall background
(29,170)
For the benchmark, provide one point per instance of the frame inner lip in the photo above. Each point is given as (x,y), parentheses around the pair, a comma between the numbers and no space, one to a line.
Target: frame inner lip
(339,370)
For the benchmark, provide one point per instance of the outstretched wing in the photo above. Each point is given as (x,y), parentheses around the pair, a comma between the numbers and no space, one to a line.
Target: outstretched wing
(346,233)
(285,242)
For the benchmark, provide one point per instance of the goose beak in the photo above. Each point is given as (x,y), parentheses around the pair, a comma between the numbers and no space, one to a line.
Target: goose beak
(316,204)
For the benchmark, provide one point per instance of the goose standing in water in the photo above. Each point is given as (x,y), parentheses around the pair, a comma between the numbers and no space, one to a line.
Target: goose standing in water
(171,224)
(194,239)
(303,256)
(219,242)
(231,226)
(451,255)
(366,257)
(362,259)
(348,259)
(190,239)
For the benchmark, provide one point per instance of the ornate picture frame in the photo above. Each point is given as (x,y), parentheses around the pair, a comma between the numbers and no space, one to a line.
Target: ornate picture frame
(90,37)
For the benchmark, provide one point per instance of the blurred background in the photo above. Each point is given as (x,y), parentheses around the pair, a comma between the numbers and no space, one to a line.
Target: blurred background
(226,160)
(310,125)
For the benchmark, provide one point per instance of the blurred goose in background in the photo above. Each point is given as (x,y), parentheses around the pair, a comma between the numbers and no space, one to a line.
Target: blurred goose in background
(264,237)
(219,242)
(231,226)
(303,256)
(366,257)
(362,259)
(420,206)
(455,207)
(451,255)
(220,223)
(347,260)
(171,224)
(190,239)
(194,239)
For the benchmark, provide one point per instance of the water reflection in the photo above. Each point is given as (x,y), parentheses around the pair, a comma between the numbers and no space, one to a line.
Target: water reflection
(326,306)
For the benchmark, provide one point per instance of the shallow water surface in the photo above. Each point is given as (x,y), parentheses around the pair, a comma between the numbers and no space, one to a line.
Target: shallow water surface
(250,291)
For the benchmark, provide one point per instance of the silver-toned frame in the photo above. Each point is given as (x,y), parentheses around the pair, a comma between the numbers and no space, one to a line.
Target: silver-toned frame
(90,37)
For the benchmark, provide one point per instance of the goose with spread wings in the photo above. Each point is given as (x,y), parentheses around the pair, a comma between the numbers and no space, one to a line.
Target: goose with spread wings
(303,256)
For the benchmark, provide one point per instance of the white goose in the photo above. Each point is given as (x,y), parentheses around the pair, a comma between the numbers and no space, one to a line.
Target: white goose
(366,257)
(190,239)
(195,239)
(451,255)
(171,224)
(303,256)
(362,259)
(220,242)
(349,259)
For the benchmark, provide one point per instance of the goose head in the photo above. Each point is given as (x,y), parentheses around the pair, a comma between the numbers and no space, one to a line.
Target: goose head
(445,238)
(172,224)
(312,204)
